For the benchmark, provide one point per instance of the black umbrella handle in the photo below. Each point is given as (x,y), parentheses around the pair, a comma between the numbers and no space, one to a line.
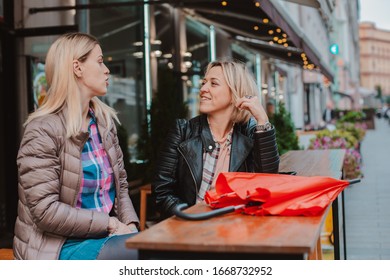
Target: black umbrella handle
(353,181)
(202,216)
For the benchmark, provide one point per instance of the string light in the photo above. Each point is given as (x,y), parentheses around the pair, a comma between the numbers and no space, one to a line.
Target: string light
(270,32)
(265,20)
(257,4)
(256,27)
(224,3)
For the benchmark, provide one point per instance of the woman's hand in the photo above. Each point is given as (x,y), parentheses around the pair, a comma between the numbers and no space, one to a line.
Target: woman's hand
(132,227)
(253,105)
(115,227)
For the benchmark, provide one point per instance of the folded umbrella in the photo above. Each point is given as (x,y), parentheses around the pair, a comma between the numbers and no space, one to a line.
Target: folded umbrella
(272,194)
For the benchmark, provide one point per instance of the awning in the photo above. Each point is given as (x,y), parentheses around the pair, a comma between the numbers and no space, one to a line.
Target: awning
(366,92)
(279,17)
(261,25)
(343,94)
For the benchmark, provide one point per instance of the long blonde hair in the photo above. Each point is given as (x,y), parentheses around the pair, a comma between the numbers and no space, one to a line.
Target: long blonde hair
(63,93)
(241,83)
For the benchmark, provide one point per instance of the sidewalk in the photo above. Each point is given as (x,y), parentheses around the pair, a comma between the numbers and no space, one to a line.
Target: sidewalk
(367,204)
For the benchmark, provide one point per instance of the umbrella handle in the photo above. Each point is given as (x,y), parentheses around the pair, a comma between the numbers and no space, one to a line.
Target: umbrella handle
(288,172)
(202,216)
(353,181)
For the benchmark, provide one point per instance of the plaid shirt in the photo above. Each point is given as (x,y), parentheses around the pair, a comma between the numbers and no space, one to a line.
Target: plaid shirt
(209,163)
(97,191)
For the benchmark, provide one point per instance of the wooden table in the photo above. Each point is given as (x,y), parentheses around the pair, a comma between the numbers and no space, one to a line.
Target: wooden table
(322,163)
(238,236)
(314,162)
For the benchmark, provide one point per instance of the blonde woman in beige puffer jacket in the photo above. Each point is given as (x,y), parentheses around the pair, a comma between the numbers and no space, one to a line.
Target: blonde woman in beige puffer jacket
(49,160)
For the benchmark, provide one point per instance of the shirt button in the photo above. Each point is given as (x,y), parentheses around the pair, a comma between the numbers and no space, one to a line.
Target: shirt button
(210,147)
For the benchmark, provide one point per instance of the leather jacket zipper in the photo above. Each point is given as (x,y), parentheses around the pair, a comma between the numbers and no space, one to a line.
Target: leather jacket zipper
(192,174)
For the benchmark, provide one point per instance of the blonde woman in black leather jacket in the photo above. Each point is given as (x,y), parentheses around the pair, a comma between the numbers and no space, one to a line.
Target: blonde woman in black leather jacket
(232,133)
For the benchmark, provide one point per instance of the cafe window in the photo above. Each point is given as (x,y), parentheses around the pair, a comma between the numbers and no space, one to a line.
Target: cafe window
(35,53)
(195,62)
(120,33)
(245,55)
(163,47)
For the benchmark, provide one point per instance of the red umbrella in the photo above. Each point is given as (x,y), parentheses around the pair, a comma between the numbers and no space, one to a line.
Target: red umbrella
(272,194)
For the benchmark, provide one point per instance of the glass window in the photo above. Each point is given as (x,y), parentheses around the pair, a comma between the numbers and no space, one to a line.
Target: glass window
(195,61)
(119,30)
(245,55)
(163,48)
(35,52)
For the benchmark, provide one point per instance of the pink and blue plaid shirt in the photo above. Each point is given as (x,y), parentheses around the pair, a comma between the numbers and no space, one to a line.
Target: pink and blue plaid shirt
(97,191)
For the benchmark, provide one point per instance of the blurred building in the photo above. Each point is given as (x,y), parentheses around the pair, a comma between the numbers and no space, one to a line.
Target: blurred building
(375,59)
(345,51)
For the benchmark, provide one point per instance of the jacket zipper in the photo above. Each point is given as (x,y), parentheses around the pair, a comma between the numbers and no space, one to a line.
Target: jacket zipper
(192,174)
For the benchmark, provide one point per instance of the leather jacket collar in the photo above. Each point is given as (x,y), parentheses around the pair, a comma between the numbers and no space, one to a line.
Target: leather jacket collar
(203,140)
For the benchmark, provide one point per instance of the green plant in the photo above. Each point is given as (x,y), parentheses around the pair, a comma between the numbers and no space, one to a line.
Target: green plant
(358,131)
(352,116)
(338,139)
(378,89)
(336,135)
(286,137)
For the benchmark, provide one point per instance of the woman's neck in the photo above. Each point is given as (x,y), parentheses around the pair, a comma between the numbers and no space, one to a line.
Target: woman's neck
(85,116)
(219,127)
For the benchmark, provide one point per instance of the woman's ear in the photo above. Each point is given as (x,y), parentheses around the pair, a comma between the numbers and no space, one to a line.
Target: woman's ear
(77,68)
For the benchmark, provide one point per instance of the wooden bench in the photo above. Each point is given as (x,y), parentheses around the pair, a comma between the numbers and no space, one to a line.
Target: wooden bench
(145,190)
(6,254)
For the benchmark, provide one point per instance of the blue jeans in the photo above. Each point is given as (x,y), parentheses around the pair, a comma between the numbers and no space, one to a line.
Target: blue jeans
(115,249)
(107,248)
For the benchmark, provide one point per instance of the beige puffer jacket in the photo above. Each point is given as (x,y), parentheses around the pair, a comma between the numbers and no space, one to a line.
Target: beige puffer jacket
(50,173)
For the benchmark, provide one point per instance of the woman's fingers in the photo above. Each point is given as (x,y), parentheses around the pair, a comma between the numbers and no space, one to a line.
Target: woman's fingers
(253,105)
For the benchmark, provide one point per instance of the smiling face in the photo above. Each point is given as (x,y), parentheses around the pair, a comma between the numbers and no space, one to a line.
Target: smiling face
(215,95)
(94,74)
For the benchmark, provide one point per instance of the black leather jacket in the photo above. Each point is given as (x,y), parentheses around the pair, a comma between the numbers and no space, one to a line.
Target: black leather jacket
(179,167)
